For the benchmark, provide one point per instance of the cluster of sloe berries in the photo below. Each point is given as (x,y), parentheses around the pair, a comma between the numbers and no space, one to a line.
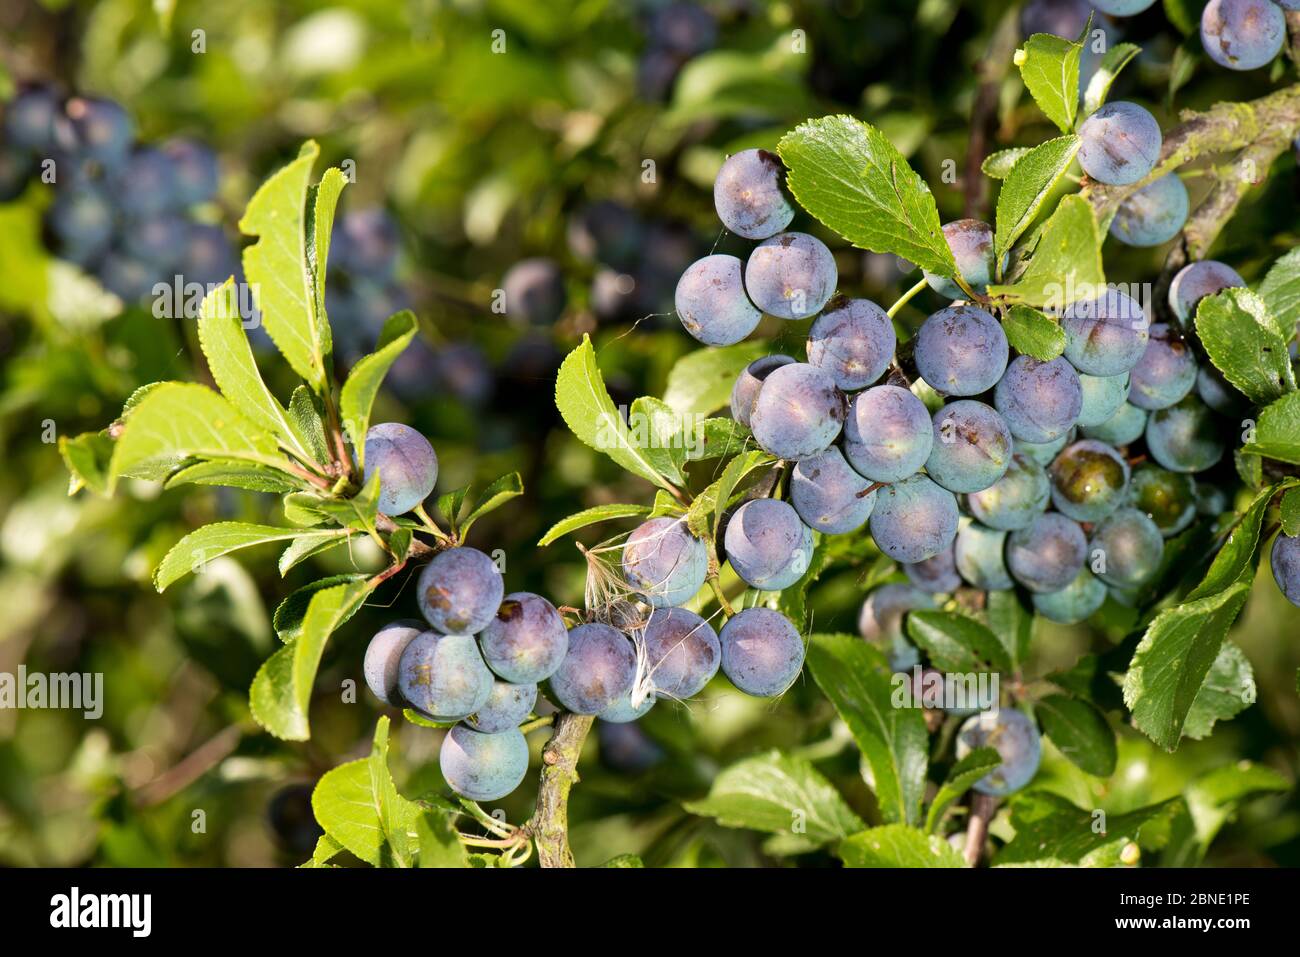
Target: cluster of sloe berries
(121,210)
(1237,34)
(479,656)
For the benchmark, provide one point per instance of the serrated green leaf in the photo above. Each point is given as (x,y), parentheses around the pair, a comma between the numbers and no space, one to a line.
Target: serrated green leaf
(854,676)
(281,691)
(230,360)
(326,850)
(322,201)
(449,505)
(590,516)
(201,546)
(437,841)
(851,178)
(1028,186)
(589,412)
(1050,68)
(1012,623)
(780,794)
(657,431)
(717,438)
(311,543)
(1033,333)
(177,421)
(87,458)
(1228,690)
(1281,293)
(494,496)
(363,382)
(279,268)
(245,475)
(1212,800)
(305,411)
(289,614)
(701,381)
(1048,827)
(897,845)
(1112,62)
(1290,512)
(360,512)
(1066,265)
(998,165)
(1080,732)
(1239,333)
(1238,551)
(1277,433)
(956,643)
(1173,659)
(358,806)
(961,776)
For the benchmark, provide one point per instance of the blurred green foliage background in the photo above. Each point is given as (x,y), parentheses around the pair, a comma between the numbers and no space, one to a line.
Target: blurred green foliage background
(484,158)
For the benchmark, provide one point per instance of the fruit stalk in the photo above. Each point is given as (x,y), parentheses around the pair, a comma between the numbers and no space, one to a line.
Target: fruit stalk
(550,823)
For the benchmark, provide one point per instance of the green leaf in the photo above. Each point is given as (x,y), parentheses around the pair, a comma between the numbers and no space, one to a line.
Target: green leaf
(437,841)
(289,614)
(893,740)
(201,546)
(358,806)
(701,381)
(999,165)
(1290,511)
(1028,186)
(897,845)
(624,860)
(279,267)
(87,458)
(494,496)
(962,775)
(326,850)
(231,362)
(590,516)
(1239,333)
(657,431)
(956,643)
(780,794)
(716,438)
(362,385)
(306,413)
(1277,434)
(1173,659)
(312,543)
(1031,332)
(1066,265)
(1013,624)
(281,691)
(1212,800)
(1050,828)
(177,421)
(1050,68)
(245,475)
(322,201)
(1281,293)
(449,505)
(589,412)
(1238,552)
(1183,14)
(1080,732)
(850,177)
(1250,468)
(1114,60)
(360,512)
(1229,689)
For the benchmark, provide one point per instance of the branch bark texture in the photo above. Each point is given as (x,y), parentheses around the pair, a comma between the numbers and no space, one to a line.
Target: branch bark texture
(550,823)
